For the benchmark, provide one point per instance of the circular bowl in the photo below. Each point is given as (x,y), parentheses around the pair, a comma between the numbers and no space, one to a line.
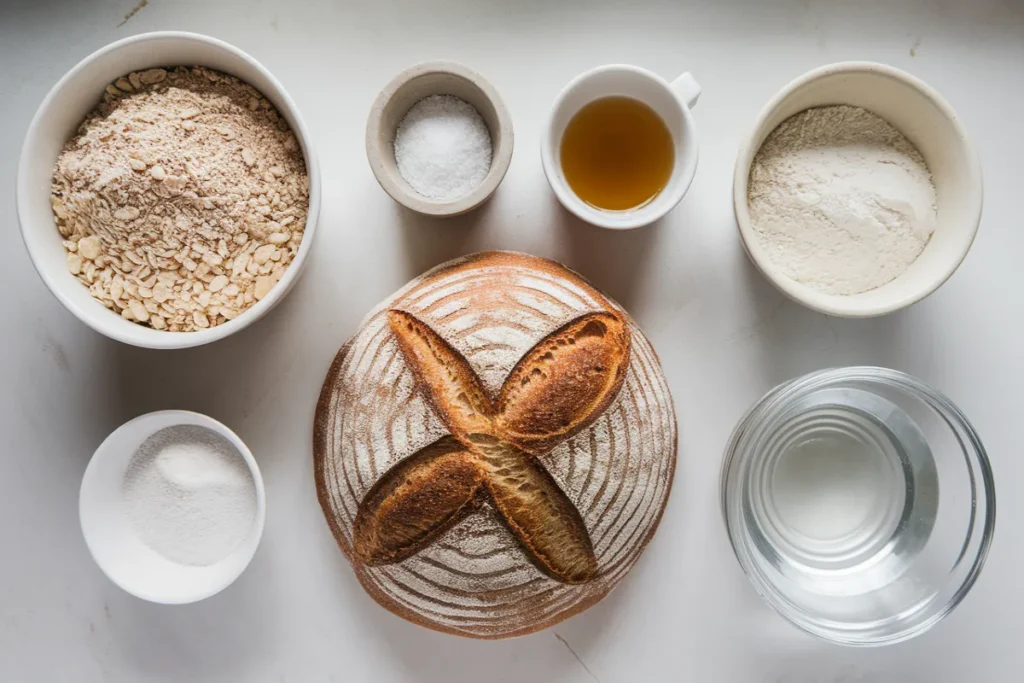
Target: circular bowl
(57,119)
(860,503)
(119,552)
(395,100)
(927,120)
(671,101)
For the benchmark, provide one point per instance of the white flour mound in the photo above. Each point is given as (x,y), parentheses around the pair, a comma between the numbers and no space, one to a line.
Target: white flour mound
(841,200)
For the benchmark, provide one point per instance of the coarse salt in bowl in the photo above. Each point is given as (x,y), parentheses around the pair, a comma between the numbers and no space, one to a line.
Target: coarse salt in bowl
(57,119)
(402,93)
(929,122)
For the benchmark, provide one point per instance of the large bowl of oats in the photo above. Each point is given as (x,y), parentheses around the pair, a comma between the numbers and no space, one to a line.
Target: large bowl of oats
(167,190)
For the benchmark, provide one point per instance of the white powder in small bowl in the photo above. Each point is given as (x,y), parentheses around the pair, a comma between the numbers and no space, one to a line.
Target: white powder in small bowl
(443,147)
(189,495)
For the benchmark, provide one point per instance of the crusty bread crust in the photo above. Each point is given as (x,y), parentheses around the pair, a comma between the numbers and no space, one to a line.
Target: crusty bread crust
(564,382)
(492,464)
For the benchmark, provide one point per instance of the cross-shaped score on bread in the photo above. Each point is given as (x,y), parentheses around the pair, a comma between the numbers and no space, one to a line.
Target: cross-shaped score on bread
(558,388)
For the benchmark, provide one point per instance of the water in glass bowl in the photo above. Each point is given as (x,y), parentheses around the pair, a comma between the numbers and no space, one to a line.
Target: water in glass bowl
(845,494)
(859,502)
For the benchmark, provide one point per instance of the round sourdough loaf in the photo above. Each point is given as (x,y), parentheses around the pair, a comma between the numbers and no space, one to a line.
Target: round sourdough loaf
(494,447)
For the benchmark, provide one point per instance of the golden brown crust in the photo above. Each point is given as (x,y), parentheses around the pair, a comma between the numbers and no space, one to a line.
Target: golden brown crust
(539,515)
(454,388)
(567,374)
(496,438)
(418,500)
(564,382)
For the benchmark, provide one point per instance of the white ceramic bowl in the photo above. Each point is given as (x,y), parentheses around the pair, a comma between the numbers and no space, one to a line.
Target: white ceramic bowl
(120,553)
(928,121)
(672,101)
(56,121)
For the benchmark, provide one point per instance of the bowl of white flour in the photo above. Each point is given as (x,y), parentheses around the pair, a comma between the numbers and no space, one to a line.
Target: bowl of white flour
(172,506)
(858,192)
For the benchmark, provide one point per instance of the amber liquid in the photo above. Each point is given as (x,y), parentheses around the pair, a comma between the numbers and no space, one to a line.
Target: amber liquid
(617,154)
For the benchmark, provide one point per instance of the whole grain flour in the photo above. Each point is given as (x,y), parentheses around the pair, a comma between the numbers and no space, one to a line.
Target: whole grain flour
(182,198)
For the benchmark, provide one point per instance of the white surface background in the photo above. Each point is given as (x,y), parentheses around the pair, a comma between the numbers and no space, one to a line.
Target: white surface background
(686,612)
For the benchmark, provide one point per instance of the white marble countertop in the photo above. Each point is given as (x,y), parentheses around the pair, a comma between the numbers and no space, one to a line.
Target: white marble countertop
(686,612)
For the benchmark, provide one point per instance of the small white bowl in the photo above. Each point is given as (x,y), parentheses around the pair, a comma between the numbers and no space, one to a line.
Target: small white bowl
(672,101)
(115,546)
(391,106)
(57,119)
(921,114)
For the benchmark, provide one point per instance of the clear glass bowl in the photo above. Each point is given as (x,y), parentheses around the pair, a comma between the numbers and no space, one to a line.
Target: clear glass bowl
(859,502)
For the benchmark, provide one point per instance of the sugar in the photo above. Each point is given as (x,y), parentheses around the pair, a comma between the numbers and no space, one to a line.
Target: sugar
(189,495)
(443,147)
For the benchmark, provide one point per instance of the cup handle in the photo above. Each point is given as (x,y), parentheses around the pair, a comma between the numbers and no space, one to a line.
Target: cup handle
(687,87)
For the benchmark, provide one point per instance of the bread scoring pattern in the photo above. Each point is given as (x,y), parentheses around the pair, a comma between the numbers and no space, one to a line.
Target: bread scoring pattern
(556,390)
(408,489)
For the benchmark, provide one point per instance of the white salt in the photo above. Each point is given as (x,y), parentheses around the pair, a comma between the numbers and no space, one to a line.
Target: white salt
(189,495)
(443,147)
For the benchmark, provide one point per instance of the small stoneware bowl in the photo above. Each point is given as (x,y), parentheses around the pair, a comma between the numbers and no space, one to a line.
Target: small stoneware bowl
(115,546)
(921,114)
(391,106)
(57,119)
